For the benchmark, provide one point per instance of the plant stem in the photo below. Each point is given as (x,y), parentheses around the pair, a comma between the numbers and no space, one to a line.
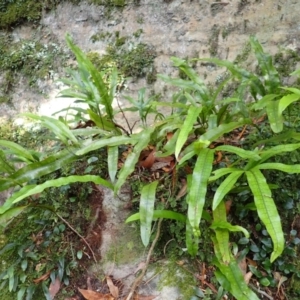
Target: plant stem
(76,232)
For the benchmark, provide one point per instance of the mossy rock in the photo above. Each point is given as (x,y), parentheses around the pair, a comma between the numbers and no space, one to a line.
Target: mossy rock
(18,11)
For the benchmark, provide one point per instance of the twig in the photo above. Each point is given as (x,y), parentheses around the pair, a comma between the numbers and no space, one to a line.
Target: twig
(76,232)
(140,277)
(121,110)
(167,245)
(260,291)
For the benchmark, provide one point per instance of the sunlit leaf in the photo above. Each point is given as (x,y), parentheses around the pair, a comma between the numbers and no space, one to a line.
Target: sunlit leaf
(266,210)
(37,169)
(112,162)
(21,293)
(274,116)
(280,167)
(160,214)
(238,288)
(197,189)
(132,159)
(222,234)
(29,190)
(186,128)
(146,211)
(221,172)
(225,187)
(18,150)
(214,134)
(262,103)
(226,225)
(10,213)
(285,101)
(112,141)
(61,130)
(239,151)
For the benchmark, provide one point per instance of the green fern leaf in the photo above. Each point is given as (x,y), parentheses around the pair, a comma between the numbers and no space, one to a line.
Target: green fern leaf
(266,209)
(146,211)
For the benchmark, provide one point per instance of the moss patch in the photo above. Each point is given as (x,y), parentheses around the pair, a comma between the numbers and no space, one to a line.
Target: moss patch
(136,62)
(28,58)
(18,11)
(214,40)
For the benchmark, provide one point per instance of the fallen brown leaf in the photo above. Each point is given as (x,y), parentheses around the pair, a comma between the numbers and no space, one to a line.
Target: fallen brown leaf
(149,161)
(182,191)
(91,295)
(143,297)
(169,135)
(251,262)
(43,277)
(166,159)
(228,206)
(114,290)
(247,277)
(158,165)
(54,287)
(243,266)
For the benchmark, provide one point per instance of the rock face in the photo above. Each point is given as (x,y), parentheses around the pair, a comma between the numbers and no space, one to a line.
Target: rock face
(172,28)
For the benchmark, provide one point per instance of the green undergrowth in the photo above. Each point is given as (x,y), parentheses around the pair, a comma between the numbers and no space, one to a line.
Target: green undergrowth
(220,173)
(42,244)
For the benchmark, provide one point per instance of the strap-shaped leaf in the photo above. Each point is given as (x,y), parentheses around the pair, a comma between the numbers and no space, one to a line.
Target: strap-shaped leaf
(225,187)
(292,89)
(100,85)
(266,209)
(5,166)
(279,138)
(214,134)
(239,151)
(262,103)
(38,169)
(191,240)
(10,213)
(280,167)
(30,190)
(186,128)
(198,187)
(22,153)
(226,225)
(146,210)
(275,118)
(222,235)
(192,74)
(181,83)
(285,101)
(103,122)
(112,141)
(238,288)
(61,130)
(221,172)
(279,150)
(266,154)
(265,61)
(159,214)
(112,161)
(131,160)
(246,78)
